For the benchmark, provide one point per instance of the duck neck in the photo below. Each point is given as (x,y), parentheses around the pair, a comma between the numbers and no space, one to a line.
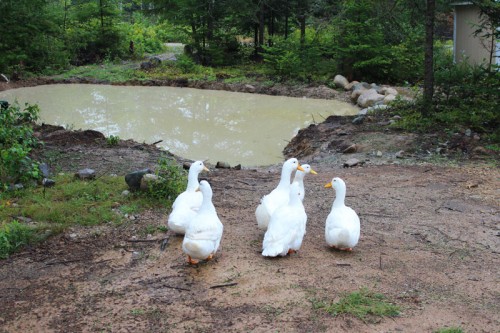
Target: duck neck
(285,179)
(206,204)
(339,198)
(193,183)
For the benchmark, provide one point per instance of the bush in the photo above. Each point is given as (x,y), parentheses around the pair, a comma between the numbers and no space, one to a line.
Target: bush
(173,180)
(465,97)
(13,235)
(16,143)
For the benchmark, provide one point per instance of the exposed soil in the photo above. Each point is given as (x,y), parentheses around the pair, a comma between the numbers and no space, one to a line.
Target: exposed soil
(430,244)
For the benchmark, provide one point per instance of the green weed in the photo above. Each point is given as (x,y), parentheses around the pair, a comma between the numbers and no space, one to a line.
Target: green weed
(363,304)
(14,235)
(449,330)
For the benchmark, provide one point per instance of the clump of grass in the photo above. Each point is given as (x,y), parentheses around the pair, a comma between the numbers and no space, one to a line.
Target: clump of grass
(363,304)
(449,330)
(14,235)
(172,180)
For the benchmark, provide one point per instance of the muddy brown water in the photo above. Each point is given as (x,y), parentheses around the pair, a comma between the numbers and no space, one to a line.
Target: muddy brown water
(237,128)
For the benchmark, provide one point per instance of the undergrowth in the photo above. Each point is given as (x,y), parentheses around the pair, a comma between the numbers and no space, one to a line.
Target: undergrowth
(363,304)
(32,214)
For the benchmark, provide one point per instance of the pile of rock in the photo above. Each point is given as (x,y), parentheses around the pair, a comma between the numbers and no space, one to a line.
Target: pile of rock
(369,97)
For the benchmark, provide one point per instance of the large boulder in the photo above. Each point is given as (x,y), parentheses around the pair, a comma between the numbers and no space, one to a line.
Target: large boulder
(369,98)
(340,81)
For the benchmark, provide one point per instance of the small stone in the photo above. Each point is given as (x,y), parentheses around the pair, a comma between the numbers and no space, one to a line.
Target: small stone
(133,179)
(85,174)
(358,120)
(73,236)
(351,149)
(147,180)
(379,153)
(468,132)
(125,193)
(400,154)
(222,165)
(351,163)
(238,167)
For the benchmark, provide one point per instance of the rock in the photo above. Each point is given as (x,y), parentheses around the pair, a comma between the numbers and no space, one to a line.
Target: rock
(351,149)
(379,153)
(358,120)
(249,88)
(479,150)
(363,112)
(222,165)
(468,132)
(133,179)
(389,98)
(237,167)
(351,85)
(351,162)
(15,187)
(400,154)
(340,81)
(147,180)
(368,98)
(388,91)
(85,174)
(125,193)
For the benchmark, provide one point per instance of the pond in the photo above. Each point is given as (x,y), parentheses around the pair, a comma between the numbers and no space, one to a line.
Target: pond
(238,128)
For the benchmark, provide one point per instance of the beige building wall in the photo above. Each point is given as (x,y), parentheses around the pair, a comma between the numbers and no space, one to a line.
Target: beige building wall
(466,45)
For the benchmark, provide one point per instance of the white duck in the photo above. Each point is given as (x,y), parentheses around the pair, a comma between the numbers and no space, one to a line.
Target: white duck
(204,231)
(279,196)
(299,178)
(188,202)
(287,227)
(342,227)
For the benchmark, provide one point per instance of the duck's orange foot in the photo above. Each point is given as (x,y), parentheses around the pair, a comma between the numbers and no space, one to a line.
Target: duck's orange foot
(210,257)
(290,251)
(192,261)
(347,249)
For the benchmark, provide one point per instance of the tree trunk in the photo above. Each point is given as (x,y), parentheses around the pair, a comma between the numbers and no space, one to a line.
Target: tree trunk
(429,58)
(261,26)
(302,20)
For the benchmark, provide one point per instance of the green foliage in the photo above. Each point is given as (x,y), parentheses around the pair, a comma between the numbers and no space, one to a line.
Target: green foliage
(13,236)
(360,47)
(113,140)
(450,330)
(173,180)
(466,97)
(289,59)
(362,304)
(16,142)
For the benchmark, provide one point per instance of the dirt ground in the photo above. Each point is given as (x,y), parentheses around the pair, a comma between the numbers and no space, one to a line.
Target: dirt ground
(429,243)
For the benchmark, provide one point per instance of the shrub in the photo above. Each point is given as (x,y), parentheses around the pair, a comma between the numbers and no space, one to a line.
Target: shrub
(173,180)
(13,235)
(16,143)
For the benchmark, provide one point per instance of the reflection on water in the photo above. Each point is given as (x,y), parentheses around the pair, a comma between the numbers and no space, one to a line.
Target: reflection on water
(226,126)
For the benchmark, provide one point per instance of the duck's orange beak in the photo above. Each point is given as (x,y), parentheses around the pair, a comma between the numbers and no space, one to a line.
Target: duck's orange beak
(313,172)
(300,168)
(328,185)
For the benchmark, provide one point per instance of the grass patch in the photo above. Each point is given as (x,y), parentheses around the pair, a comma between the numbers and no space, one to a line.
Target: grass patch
(30,215)
(363,304)
(109,72)
(14,235)
(450,330)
